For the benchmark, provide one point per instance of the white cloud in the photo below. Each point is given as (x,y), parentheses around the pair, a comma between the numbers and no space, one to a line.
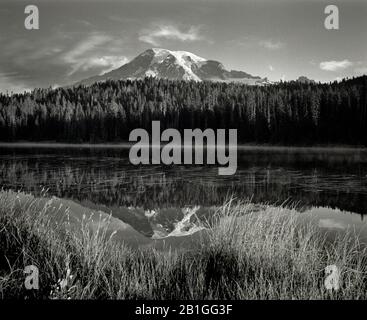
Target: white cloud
(108,62)
(335,65)
(271,45)
(331,224)
(168,32)
(88,44)
(271,68)
(84,56)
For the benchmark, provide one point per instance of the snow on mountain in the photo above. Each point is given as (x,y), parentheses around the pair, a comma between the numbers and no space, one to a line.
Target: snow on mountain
(183,227)
(174,65)
(183,59)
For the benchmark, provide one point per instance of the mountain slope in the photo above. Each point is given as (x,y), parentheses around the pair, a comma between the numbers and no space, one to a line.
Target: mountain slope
(174,65)
(303,79)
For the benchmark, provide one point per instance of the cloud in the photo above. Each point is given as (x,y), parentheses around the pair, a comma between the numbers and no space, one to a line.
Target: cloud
(335,65)
(61,59)
(331,224)
(12,82)
(271,68)
(108,62)
(84,56)
(169,32)
(85,23)
(271,45)
(361,71)
(77,57)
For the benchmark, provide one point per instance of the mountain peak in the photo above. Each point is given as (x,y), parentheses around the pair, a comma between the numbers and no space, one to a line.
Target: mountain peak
(174,65)
(177,54)
(303,79)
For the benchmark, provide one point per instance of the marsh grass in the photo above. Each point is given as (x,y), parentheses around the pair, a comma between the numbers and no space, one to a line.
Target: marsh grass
(244,255)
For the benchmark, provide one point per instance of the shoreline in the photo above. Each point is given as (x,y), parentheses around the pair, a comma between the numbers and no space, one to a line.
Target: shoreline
(242,250)
(127,144)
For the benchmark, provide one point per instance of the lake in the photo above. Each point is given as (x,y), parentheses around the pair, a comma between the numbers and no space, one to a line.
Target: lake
(160,201)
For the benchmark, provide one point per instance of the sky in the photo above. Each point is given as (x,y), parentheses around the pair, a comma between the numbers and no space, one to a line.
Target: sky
(278,39)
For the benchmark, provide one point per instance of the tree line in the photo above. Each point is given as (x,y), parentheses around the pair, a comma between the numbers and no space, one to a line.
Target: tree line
(284,113)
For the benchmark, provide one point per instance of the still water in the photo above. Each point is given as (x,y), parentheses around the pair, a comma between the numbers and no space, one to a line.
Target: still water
(331,183)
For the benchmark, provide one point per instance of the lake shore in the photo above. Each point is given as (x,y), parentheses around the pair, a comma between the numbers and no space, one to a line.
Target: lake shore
(127,144)
(247,255)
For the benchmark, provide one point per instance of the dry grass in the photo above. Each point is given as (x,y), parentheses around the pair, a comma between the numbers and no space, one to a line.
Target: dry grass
(245,255)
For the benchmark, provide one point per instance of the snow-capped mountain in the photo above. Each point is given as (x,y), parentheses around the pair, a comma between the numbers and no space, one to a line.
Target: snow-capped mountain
(175,65)
(159,223)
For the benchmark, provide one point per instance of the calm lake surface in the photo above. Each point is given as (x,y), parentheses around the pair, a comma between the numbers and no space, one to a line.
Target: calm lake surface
(330,183)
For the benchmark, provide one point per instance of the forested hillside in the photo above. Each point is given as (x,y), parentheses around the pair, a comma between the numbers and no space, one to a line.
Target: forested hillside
(285,113)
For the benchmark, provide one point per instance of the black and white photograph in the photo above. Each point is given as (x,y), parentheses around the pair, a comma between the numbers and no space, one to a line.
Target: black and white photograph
(183,150)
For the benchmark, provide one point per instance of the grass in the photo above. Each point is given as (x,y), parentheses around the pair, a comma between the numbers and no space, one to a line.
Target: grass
(244,255)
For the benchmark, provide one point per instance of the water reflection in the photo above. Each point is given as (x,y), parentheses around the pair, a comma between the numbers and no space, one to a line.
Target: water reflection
(103,177)
(334,222)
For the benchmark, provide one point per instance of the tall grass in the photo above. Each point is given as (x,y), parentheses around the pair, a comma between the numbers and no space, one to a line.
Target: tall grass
(243,255)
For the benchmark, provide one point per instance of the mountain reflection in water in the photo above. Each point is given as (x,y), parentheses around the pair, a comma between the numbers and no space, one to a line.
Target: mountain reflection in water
(102,178)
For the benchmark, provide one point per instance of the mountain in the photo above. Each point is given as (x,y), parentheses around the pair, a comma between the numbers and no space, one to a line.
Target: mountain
(159,223)
(303,79)
(175,65)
